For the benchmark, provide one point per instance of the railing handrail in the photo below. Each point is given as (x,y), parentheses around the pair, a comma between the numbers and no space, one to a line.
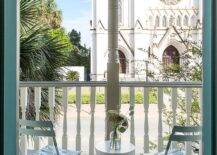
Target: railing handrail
(104,84)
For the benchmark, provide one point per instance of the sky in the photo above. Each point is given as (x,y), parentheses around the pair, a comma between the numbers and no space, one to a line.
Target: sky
(76,15)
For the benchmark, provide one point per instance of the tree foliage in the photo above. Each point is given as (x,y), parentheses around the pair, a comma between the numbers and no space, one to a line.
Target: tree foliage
(50,14)
(44,48)
(80,55)
(189,70)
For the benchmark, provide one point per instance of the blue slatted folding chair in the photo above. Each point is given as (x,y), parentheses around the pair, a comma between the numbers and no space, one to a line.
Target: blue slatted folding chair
(189,134)
(43,129)
(182,134)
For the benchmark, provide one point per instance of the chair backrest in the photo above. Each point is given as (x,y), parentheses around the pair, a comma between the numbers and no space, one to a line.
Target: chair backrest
(189,133)
(38,128)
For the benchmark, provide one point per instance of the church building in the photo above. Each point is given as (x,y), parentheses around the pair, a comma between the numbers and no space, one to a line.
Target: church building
(146,27)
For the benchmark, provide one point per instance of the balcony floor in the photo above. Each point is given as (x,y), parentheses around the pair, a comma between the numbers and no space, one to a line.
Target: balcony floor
(100,126)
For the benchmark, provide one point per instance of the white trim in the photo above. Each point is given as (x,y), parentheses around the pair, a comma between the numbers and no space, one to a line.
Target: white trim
(104,83)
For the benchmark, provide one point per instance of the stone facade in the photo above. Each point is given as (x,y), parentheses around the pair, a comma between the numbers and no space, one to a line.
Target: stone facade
(144,27)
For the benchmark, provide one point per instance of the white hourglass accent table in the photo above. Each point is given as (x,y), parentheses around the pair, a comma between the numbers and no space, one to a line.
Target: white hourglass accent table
(103,148)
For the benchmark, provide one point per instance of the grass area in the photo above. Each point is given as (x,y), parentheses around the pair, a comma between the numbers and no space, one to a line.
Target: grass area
(125,97)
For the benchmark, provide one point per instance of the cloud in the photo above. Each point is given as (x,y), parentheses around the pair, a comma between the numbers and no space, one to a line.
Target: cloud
(82,24)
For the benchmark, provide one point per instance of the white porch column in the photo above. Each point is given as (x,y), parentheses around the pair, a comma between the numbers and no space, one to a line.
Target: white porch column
(94,42)
(113,61)
(132,35)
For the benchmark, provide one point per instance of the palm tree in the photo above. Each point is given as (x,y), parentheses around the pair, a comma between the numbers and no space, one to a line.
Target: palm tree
(41,52)
(50,13)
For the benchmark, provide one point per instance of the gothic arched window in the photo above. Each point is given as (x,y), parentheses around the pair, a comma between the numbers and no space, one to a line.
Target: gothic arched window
(120,12)
(164,22)
(123,62)
(157,21)
(171,21)
(193,21)
(178,21)
(171,58)
(186,20)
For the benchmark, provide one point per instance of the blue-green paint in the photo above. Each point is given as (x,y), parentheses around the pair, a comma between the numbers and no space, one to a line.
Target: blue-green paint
(209,65)
(10,76)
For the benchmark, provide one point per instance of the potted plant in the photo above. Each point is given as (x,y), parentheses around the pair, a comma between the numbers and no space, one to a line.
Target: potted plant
(119,125)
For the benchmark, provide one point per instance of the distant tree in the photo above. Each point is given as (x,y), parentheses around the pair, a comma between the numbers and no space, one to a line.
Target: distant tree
(75,38)
(80,55)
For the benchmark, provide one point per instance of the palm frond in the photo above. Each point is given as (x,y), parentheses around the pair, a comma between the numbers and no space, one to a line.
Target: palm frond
(28,14)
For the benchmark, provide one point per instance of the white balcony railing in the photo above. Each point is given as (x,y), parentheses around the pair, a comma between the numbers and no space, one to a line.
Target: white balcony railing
(136,113)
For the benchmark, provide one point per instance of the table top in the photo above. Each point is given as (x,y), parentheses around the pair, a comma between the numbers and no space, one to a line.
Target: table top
(103,148)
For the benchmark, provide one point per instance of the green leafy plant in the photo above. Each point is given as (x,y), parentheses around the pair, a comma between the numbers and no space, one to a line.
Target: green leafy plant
(119,122)
(72,75)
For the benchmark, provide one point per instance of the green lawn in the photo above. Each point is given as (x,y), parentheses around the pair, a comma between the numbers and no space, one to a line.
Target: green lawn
(125,97)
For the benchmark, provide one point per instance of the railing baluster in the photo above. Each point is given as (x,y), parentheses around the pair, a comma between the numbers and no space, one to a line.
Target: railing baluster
(160,123)
(119,108)
(146,124)
(51,102)
(132,106)
(106,117)
(37,112)
(65,109)
(92,123)
(174,104)
(174,109)
(78,106)
(23,100)
(188,96)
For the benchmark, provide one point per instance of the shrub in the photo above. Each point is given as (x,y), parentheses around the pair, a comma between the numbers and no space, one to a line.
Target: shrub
(125,97)
(72,76)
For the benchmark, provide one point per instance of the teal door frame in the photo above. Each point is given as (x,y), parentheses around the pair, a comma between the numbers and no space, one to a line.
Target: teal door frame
(209,77)
(11,66)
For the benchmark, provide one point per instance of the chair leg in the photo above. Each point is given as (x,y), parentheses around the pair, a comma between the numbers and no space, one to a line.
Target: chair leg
(168,147)
(55,145)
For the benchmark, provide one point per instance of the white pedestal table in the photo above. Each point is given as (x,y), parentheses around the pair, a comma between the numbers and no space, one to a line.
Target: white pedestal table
(103,148)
